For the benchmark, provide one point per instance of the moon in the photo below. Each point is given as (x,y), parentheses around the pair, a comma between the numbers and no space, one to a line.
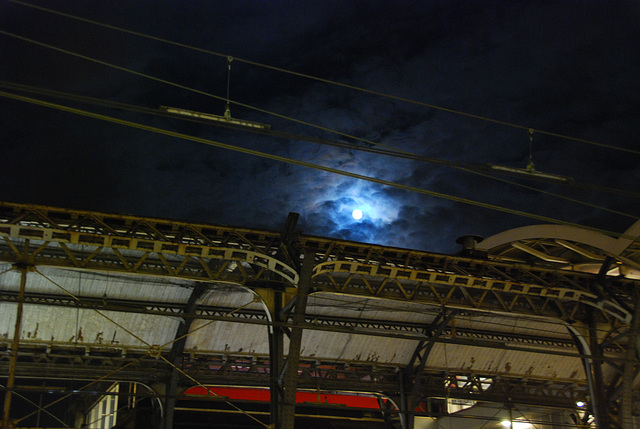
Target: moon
(357,214)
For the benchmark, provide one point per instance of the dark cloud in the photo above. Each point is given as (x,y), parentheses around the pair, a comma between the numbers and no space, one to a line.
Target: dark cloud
(563,66)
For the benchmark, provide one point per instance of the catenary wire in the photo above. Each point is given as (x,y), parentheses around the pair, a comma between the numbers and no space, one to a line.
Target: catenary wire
(40,408)
(104,377)
(75,298)
(209,391)
(149,109)
(376,149)
(308,165)
(328,81)
(474,170)
(472,116)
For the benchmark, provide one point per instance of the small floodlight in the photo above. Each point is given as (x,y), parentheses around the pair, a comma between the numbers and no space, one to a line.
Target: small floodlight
(227,119)
(529,173)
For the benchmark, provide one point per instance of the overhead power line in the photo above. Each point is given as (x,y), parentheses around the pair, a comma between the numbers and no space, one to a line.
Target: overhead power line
(470,169)
(328,81)
(473,169)
(379,149)
(305,164)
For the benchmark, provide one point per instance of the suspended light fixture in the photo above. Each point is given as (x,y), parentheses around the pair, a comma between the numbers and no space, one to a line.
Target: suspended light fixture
(529,171)
(226,119)
(215,118)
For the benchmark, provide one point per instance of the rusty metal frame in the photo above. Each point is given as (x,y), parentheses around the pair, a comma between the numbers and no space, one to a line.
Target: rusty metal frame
(80,240)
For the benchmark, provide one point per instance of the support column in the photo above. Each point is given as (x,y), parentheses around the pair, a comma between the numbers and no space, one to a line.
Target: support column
(175,357)
(601,412)
(289,380)
(23,268)
(272,298)
(406,416)
(632,358)
(276,358)
(410,381)
(592,362)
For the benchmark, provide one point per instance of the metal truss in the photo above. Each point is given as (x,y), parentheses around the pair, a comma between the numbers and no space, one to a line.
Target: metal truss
(118,243)
(491,388)
(32,236)
(136,365)
(92,241)
(389,328)
(564,297)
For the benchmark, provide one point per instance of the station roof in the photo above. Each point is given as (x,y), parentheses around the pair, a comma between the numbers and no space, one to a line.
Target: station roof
(509,311)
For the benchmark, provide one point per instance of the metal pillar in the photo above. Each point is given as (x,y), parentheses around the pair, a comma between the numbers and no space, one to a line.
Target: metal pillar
(592,354)
(271,296)
(599,401)
(279,301)
(23,268)
(410,381)
(276,356)
(585,352)
(175,357)
(632,357)
(289,379)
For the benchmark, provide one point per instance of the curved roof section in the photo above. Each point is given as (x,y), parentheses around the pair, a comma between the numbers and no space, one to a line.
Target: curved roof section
(390,310)
(568,247)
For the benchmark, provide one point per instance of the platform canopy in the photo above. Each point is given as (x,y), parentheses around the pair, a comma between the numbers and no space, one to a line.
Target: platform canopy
(538,322)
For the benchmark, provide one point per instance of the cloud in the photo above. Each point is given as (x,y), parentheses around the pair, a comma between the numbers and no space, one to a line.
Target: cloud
(560,66)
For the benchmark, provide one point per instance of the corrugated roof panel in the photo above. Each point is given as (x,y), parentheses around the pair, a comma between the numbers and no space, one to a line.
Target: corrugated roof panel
(512,324)
(230,296)
(209,335)
(332,304)
(357,347)
(8,319)
(87,327)
(114,285)
(486,360)
(9,279)
(83,326)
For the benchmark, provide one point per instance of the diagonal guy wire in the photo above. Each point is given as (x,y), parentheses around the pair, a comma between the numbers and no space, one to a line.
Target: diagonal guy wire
(36,405)
(315,78)
(82,388)
(212,392)
(314,166)
(204,326)
(94,309)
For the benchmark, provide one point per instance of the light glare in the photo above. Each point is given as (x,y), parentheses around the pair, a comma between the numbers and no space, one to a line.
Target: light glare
(515,425)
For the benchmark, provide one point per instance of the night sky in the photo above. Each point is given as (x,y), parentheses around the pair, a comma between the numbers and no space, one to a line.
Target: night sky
(563,68)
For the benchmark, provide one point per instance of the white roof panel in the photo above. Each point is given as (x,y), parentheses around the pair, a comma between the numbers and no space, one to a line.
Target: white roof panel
(55,325)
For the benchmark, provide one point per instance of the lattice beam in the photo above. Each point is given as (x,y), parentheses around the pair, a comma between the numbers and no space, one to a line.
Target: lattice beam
(253,370)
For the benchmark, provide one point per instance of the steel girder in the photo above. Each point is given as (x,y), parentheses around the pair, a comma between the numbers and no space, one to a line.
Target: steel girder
(35,235)
(39,363)
(93,241)
(389,328)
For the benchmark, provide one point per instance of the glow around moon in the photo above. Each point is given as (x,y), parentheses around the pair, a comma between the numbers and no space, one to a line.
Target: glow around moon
(357,214)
